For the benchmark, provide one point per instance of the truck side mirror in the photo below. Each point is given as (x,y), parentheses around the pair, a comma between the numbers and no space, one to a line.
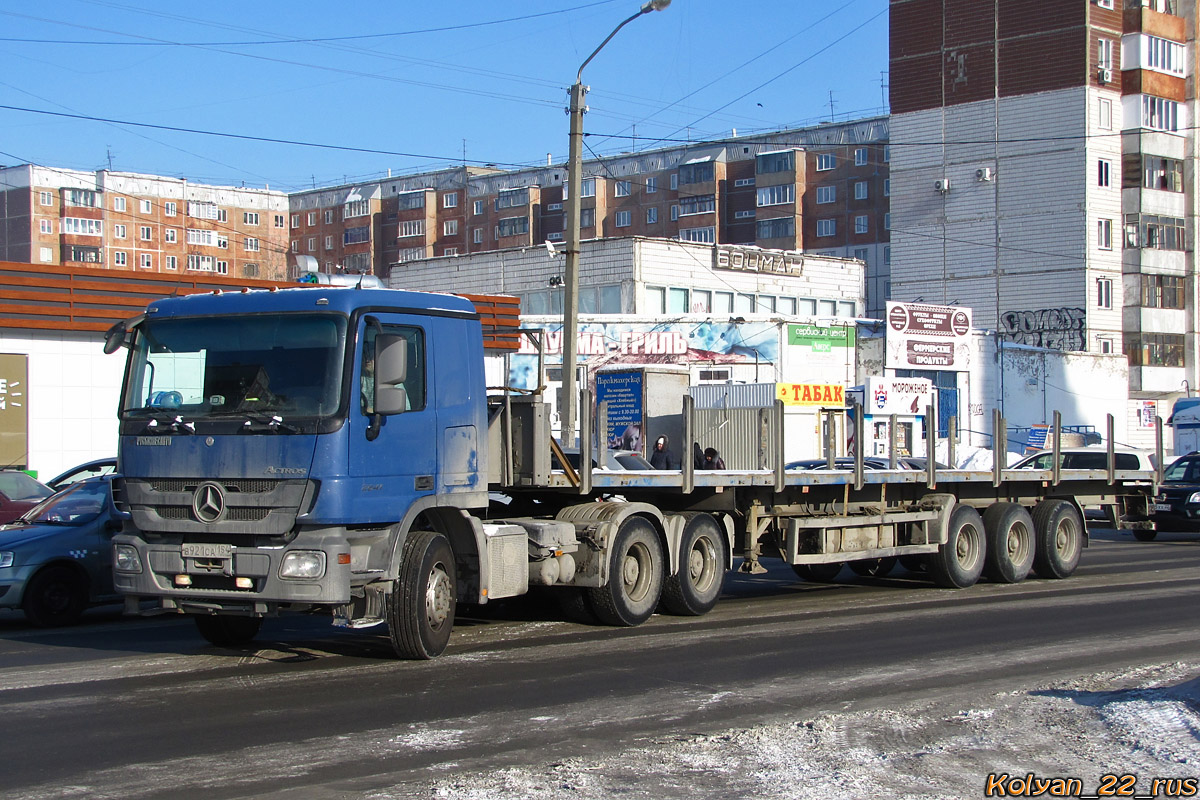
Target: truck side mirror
(114,337)
(391,370)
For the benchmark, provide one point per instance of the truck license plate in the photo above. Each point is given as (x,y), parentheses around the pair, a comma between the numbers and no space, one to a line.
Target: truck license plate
(1162,506)
(195,550)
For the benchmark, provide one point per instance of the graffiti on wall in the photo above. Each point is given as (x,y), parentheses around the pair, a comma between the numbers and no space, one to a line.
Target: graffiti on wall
(1052,328)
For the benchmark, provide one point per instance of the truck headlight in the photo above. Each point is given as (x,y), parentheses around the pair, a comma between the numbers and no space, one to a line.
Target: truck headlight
(303,564)
(6,559)
(1194,497)
(125,558)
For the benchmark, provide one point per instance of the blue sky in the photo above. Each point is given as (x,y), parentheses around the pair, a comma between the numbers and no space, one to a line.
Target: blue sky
(409,86)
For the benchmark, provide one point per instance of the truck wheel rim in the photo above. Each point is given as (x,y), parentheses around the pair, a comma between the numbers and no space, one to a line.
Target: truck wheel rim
(437,597)
(635,572)
(701,564)
(1018,537)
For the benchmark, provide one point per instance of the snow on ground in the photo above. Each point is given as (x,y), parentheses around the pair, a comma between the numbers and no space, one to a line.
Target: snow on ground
(1144,722)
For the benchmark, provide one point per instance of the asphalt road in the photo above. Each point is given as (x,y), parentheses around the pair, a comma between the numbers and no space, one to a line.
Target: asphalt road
(134,708)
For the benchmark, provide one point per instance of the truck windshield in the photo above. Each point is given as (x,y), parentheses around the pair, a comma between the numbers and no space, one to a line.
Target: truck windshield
(280,364)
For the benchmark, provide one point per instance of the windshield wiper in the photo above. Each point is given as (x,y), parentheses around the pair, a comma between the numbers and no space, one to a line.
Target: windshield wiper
(274,422)
(177,425)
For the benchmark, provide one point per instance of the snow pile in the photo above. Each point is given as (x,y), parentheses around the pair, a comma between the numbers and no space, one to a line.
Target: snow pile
(1144,722)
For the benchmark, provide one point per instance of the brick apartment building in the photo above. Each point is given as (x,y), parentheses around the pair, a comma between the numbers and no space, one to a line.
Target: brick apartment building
(141,223)
(1044,164)
(823,190)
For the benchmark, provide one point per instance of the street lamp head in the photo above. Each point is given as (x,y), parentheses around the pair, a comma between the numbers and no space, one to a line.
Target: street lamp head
(655,5)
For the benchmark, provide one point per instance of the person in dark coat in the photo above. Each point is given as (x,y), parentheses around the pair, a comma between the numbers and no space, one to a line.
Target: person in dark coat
(662,457)
(712,459)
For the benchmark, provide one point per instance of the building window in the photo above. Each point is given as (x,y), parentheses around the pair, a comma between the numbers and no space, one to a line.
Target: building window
(81,227)
(477,236)
(1104,53)
(250,270)
(517,198)
(887,187)
(1104,234)
(295,221)
(624,219)
(450,200)
(651,215)
(861,254)
(170,235)
(1160,114)
(328,214)
(1104,292)
(170,208)
(860,190)
(587,217)
(46,226)
(411,254)
(144,233)
(328,242)
(887,221)
(118,231)
(782,161)
(312,244)
(1155,232)
(1162,173)
(779,228)
(1155,350)
(554,207)
(707,235)
(652,184)
(700,204)
(223,241)
(354,208)
(147,261)
(587,187)
(860,224)
(1162,291)
(79,197)
(826,227)
(171,262)
(622,188)
(202,210)
(202,263)
(120,259)
(118,202)
(82,253)
(554,236)
(250,244)
(826,161)
(860,156)
(1103,172)
(887,255)
(825,194)
(477,207)
(786,193)
(674,181)
(278,222)
(1104,114)
(146,206)
(295,245)
(450,251)
(47,199)
(407,201)
(674,213)
(356,235)
(1162,55)
(412,227)
(702,172)
(744,214)
(450,227)
(515,226)
(222,215)
(740,182)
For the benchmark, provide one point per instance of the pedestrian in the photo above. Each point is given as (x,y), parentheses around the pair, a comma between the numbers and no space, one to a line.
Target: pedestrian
(712,459)
(697,456)
(662,457)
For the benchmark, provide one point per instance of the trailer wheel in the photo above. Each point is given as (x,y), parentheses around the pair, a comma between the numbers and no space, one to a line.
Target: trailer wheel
(635,576)
(1144,535)
(818,573)
(874,567)
(1059,538)
(694,589)
(1010,542)
(226,631)
(959,562)
(421,607)
(55,596)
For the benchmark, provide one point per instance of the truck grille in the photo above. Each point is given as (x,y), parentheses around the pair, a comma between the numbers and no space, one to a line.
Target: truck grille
(254,506)
(247,486)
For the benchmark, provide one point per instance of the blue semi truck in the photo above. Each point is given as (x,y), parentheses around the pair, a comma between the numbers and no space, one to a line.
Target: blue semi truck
(336,450)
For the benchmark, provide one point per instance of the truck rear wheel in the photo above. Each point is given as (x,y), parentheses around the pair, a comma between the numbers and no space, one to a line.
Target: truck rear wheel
(420,610)
(694,589)
(1059,538)
(1010,542)
(227,631)
(959,562)
(635,576)
(818,573)
(1144,535)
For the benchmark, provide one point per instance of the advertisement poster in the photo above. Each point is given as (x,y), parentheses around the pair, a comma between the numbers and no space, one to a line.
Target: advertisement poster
(1147,413)
(623,393)
(928,337)
(825,345)
(14,416)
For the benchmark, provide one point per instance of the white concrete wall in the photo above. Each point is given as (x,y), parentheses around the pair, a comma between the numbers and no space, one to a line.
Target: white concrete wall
(72,397)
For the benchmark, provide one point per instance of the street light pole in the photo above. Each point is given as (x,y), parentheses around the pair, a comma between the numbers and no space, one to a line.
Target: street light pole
(570,332)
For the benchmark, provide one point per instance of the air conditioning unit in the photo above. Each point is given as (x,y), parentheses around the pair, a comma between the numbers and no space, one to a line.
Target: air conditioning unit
(942,185)
(983,174)
(1104,76)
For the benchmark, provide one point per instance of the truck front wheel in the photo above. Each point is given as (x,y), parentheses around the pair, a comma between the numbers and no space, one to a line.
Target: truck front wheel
(635,576)
(694,589)
(420,610)
(959,562)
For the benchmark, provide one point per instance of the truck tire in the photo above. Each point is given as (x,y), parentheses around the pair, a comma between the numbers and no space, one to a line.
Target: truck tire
(55,596)
(635,576)
(917,563)
(1010,542)
(576,606)
(420,609)
(228,631)
(959,562)
(818,573)
(874,567)
(1144,535)
(695,588)
(1059,538)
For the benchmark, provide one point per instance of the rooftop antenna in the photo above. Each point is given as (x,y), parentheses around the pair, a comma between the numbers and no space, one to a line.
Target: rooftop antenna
(883,87)
(108,149)
(464,152)
(831,105)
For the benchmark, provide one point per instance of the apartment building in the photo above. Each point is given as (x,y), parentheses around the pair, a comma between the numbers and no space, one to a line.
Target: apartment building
(823,190)
(141,223)
(1044,169)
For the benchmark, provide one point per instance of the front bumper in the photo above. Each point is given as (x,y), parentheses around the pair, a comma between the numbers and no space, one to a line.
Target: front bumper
(212,584)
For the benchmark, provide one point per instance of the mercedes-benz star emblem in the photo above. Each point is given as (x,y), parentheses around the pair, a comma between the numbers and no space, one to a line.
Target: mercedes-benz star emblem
(208,503)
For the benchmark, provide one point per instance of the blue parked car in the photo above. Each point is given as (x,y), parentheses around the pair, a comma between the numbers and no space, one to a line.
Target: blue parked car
(56,559)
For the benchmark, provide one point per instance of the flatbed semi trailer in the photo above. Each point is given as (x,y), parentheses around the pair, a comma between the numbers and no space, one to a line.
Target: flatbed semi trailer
(337,450)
